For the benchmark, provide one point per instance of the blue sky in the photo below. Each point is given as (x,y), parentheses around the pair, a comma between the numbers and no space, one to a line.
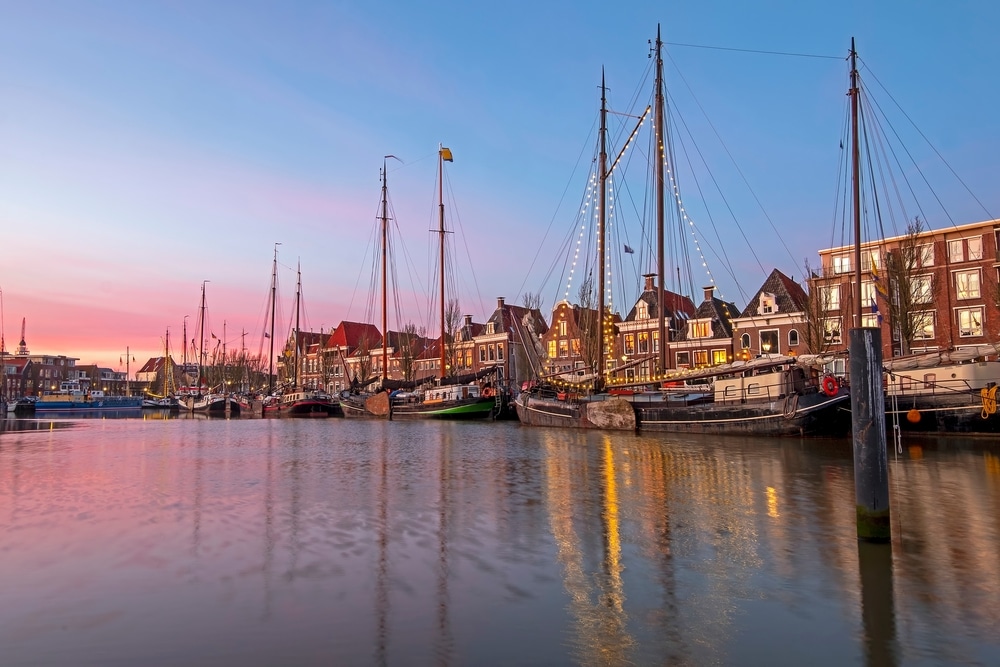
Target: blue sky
(148,146)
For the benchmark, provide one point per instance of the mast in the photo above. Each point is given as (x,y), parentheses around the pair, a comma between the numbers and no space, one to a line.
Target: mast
(385,254)
(295,338)
(603,171)
(856,178)
(443,154)
(201,335)
(660,196)
(274,293)
(225,387)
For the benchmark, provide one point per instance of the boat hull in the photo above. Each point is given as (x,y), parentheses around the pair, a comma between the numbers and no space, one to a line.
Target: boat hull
(611,413)
(479,408)
(965,412)
(811,414)
(305,408)
(115,403)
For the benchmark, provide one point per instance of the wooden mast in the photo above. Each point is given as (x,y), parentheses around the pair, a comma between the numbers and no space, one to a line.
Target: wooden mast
(443,154)
(201,335)
(603,171)
(274,295)
(385,241)
(660,185)
(295,336)
(856,179)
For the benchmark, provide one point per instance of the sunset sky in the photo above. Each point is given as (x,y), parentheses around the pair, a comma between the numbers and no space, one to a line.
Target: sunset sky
(146,147)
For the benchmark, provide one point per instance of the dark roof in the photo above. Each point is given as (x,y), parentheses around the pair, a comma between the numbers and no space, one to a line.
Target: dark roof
(719,312)
(788,295)
(674,304)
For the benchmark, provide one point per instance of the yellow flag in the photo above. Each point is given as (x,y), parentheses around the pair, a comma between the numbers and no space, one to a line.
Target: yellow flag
(446,154)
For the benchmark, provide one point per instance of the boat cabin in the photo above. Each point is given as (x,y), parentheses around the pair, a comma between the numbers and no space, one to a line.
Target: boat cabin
(761,385)
(455,392)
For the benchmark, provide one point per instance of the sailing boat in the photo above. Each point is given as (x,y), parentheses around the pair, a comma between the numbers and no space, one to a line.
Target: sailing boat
(450,398)
(166,400)
(296,401)
(770,395)
(203,400)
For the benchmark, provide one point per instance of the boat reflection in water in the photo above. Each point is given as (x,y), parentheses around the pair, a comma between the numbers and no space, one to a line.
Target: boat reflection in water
(416,542)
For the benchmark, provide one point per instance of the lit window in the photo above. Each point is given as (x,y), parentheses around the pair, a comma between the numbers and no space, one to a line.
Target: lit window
(719,357)
(967,284)
(700,328)
(499,352)
(970,322)
(562,327)
(551,351)
(643,342)
(830,297)
(701,358)
(923,328)
(563,348)
(629,343)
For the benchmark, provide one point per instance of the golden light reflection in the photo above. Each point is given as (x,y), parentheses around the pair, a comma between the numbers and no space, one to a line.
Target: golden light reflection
(772,502)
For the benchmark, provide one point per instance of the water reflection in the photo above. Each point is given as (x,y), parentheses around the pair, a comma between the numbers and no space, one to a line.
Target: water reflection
(285,542)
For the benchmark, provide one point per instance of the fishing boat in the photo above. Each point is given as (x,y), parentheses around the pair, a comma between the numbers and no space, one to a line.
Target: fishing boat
(773,395)
(444,397)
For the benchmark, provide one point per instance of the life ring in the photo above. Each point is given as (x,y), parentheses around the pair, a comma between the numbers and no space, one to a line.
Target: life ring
(830,386)
(487,392)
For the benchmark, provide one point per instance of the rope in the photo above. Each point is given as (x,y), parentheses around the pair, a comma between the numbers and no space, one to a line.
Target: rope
(989,395)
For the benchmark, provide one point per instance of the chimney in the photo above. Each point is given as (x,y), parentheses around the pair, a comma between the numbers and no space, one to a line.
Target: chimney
(650,281)
(499,303)
(709,292)
(468,321)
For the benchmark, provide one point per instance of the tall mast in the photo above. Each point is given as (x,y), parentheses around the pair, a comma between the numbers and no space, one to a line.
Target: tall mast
(201,334)
(298,298)
(443,154)
(603,171)
(225,387)
(385,254)
(856,177)
(274,295)
(660,196)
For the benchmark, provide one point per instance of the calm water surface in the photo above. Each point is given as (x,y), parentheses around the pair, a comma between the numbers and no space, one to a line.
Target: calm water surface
(287,542)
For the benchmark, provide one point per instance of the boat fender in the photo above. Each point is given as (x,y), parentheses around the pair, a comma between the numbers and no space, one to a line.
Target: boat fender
(830,386)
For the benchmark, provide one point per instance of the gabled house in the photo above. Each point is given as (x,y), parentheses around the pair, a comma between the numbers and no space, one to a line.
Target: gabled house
(563,342)
(707,339)
(156,373)
(638,340)
(349,353)
(774,321)
(16,371)
(511,342)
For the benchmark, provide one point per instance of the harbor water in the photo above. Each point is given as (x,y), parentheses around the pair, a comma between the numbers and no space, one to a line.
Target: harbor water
(339,542)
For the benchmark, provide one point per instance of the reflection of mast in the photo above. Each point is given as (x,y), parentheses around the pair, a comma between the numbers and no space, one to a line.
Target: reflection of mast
(446,640)
(601,633)
(382,568)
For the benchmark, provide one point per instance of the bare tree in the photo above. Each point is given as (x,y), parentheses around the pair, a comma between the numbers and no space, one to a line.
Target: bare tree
(364,357)
(408,350)
(531,300)
(822,297)
(907,292)
(452,322)
(589,322)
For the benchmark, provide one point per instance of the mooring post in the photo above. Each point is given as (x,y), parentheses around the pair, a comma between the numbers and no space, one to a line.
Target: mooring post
(871,464)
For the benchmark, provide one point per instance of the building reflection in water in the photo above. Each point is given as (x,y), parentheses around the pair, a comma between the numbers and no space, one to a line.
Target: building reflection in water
(281,542)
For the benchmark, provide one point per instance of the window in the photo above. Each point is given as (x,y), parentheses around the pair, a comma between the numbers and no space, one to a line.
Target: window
(656,341)
(629,343)
(551,351)
(642,311)
(700,328)
(831,331)
(925,255)
(562,327)
(683,360)
(769,342)
(956,251)
(492,352)
(867,293)
(564,348)
(793,338)
(719,357)
(830,297)
(923,325)
(970,322)
(842,264)
(920,289)
(745,342)
(643,342)
(576,346)
(975,245)
(701,357)
(768,304)
(870,320)
(499,352)
(967,284)
(870,259)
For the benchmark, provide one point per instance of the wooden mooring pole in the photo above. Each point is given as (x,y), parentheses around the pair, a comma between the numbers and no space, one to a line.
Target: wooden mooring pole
(871,464)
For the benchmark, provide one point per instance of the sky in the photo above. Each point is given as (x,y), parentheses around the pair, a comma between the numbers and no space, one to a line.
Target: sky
(147,147)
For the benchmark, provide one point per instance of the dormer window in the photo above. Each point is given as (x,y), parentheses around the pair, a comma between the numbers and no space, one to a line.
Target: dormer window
(768,304)
(642,311)
(490,328)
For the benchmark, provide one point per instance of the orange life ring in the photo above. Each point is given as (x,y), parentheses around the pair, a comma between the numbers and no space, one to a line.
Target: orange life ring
(487,392)
(830,386)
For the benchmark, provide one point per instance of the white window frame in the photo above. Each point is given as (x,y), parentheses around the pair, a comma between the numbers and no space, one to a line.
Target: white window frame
(972,288)
(970,322)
